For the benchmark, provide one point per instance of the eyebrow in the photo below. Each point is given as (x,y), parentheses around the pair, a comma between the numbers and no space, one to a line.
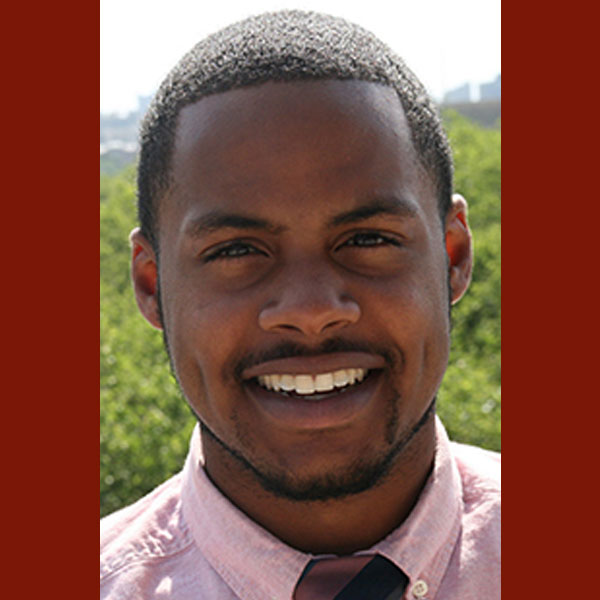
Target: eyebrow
(216,220)
(387,205)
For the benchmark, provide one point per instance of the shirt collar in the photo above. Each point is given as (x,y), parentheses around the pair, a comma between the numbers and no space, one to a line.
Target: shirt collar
(423,544)
(255,564)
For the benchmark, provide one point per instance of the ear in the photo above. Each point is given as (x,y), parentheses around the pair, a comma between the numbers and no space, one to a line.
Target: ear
(459,247)
(144,274)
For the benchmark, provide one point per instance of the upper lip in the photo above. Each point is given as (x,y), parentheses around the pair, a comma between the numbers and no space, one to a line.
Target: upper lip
(312,365)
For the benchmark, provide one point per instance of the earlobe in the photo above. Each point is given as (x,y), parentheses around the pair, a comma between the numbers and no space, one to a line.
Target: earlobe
(144,274)
(459,247)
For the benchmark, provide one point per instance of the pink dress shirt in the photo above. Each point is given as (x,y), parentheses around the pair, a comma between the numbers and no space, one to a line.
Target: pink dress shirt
(186,541)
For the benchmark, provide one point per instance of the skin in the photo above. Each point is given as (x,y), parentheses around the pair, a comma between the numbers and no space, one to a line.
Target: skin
(337,243)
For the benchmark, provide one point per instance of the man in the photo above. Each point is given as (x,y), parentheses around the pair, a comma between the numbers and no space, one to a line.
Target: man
(300,248)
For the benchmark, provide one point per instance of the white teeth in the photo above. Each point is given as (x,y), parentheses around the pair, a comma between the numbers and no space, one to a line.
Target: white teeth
(307,384)
(275,382)
(288,383)
(324,382)
(352,376)
(341,378)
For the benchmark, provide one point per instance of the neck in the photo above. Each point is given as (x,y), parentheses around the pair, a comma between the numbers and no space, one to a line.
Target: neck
(339,526)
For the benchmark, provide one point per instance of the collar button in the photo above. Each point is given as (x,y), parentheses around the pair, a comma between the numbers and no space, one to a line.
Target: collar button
(419,589)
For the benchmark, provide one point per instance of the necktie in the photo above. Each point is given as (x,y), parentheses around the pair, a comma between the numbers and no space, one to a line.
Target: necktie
(370,577)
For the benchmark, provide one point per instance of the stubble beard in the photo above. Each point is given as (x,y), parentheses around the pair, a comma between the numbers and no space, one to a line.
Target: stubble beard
(359,476)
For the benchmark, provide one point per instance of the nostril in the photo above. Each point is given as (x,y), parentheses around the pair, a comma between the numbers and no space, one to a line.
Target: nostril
(288,327)
(303,322)
(336,324)
(309,312)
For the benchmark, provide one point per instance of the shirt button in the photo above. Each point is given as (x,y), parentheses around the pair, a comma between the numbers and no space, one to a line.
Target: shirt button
(419,589)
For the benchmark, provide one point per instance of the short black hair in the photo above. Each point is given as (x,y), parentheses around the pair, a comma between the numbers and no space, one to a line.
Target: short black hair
(288,45)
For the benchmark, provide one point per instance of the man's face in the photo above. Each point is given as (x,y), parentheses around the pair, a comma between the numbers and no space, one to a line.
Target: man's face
(304,280)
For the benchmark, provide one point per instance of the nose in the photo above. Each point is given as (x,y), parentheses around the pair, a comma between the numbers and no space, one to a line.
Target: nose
(309,301)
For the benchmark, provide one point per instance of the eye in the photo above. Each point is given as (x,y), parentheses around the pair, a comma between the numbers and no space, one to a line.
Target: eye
(232,251)
(370,239)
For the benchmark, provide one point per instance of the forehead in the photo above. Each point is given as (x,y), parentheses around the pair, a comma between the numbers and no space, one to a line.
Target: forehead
(294,139)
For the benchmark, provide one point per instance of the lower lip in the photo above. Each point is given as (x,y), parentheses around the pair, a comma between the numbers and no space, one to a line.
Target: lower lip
(297,412)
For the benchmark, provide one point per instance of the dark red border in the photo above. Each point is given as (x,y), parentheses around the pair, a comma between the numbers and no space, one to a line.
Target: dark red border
(522,440)
(550,301)
(50,298)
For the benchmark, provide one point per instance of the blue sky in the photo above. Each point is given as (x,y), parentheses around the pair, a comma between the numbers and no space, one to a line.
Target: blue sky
(445,42)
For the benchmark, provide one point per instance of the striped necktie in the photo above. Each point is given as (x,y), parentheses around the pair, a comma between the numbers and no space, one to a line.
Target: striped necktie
(367,577)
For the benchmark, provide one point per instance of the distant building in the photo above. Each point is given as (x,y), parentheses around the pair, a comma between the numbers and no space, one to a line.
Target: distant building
(485,113)
(459,94)
(490,91)
(119,133)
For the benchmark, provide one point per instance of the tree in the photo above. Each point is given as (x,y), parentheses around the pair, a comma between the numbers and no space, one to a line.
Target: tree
(469,400)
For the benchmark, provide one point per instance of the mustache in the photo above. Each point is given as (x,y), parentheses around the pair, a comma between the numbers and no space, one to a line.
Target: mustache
(288,349)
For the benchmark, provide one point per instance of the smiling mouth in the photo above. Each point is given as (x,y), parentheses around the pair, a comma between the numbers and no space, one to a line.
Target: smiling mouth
(313,386)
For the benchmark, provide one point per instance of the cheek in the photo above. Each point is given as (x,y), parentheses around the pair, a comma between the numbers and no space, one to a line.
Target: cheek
(205,334)
(413,311)
(415,298)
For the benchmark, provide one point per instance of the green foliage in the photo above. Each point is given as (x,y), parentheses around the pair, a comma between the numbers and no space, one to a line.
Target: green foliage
(146,424)
(469,399)
(114,161)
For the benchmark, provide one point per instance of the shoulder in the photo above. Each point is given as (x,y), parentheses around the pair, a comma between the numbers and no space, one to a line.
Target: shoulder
(480,469)
(474,570)
(480,473)
(149,532)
